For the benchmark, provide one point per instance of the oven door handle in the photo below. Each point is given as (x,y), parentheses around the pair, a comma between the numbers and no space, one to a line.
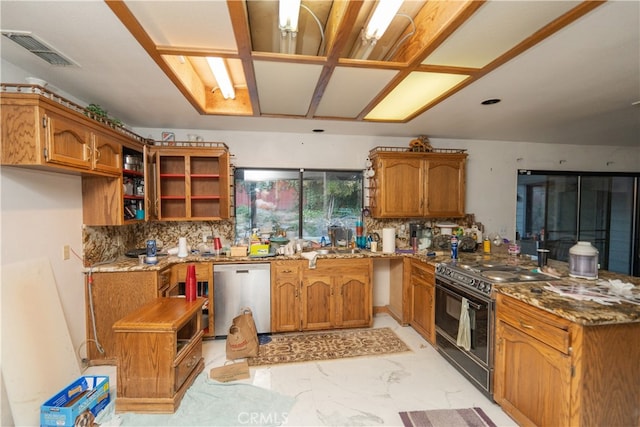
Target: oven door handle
(457,295)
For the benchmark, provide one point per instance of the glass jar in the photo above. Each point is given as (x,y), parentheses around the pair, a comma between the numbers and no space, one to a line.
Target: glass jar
(583,261)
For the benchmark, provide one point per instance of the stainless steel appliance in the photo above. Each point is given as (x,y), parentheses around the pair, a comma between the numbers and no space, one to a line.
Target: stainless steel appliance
(464,300)
(237,286)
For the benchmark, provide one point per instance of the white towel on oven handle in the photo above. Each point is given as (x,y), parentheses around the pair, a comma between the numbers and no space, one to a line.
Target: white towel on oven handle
(464,326)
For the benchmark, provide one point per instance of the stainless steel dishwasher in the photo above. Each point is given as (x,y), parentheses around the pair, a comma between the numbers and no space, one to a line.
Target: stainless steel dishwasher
(241,285)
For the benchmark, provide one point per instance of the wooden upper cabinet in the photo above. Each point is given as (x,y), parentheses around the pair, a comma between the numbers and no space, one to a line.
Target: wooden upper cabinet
(106,154)
(415,184)
(41,133)
(400,187)
(68,142)
(192,184)
(445,186)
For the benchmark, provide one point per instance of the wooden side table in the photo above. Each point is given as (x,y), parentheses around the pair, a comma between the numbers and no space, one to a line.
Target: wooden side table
(159,354)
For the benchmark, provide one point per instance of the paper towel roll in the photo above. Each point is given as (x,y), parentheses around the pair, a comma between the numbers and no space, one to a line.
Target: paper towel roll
(388,240)
(182,247)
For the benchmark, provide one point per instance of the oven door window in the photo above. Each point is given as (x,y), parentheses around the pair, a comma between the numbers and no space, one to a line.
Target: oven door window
(448,315)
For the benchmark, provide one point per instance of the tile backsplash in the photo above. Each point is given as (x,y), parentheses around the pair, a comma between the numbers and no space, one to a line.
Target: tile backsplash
(105,244)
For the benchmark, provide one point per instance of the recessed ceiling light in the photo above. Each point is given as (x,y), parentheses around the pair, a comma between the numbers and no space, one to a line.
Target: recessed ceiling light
(490,101)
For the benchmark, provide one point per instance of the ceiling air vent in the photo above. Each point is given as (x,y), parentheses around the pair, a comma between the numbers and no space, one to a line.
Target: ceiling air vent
(37,47)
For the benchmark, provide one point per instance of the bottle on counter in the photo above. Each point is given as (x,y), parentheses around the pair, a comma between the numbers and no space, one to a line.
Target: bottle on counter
(151,257)
(486,245)
(454,247)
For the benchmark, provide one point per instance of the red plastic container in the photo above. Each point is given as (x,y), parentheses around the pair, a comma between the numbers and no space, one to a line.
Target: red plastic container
(190,288)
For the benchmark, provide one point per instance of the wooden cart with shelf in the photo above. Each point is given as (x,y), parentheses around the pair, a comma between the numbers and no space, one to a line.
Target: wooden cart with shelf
(159,349)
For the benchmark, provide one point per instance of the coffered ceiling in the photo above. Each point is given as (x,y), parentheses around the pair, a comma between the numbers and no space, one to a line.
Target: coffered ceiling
(427,74)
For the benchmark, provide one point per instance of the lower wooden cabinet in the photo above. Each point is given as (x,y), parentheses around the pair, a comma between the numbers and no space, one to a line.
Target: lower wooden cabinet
(109,297)
(204,280)
(335,294)
(422,313)
(159,353)
(285,296)
(553,372)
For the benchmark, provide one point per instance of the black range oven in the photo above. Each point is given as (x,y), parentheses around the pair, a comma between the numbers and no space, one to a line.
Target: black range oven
(473,357)
(465,315)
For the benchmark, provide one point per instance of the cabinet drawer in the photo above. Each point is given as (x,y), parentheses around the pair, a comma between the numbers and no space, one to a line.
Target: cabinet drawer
(423,272)
(187,364)
(534,322)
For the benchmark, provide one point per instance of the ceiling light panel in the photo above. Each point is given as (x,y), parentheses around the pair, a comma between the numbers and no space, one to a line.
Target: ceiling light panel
(234,66)
(351,89)
(186,24)
(285,87)
(494,29)
(413,93)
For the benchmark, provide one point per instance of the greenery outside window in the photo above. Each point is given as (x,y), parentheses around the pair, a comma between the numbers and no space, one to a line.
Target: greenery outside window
(300,203)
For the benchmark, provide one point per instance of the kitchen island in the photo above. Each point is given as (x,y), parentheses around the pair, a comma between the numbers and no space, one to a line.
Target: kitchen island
(566,361)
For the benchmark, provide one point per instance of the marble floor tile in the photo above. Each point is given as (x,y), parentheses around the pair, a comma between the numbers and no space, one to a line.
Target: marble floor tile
(365,391)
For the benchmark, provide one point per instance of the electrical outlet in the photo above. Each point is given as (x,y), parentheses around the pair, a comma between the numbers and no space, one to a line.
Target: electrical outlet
(66,252)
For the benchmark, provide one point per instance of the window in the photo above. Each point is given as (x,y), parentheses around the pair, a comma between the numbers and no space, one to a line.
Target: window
(300,203)
(557,209)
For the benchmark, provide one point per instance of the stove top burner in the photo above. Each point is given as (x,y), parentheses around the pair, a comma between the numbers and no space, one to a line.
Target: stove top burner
(481,275)
(500,276)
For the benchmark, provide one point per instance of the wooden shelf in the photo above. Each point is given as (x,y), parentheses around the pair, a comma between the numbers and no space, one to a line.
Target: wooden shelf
(193,183)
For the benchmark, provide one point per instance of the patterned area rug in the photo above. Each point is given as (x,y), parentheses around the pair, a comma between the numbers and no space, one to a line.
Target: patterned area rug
(470,417)
(314,346)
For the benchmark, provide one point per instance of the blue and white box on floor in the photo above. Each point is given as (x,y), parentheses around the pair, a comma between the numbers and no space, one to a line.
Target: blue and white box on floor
(77,404)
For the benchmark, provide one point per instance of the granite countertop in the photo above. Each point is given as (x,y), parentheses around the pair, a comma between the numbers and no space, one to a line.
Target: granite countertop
(581,312)
(588,313)
(123,263)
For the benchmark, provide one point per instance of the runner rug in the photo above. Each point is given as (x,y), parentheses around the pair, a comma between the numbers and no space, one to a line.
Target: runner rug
(469,417)
(317,346)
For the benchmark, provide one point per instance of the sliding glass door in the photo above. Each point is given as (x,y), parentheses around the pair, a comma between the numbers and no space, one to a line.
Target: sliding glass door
(557,209)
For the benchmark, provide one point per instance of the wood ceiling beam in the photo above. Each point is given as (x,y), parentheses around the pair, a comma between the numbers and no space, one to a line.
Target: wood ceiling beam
(436,21)
(240,25)
(340,24)
(130,22)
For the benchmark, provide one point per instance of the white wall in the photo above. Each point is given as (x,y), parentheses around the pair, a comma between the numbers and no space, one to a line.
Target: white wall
(492,166)
(42,212)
